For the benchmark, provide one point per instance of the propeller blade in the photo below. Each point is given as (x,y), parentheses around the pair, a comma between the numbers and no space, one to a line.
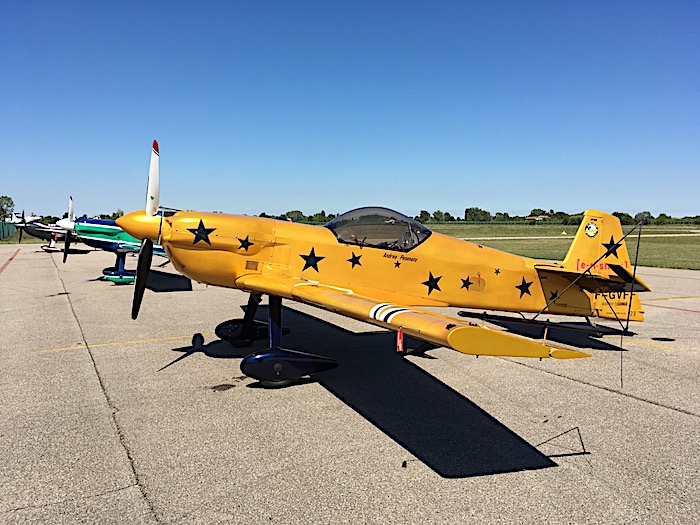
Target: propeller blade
(21,230)
(66,246)
(143,266)
(153,191)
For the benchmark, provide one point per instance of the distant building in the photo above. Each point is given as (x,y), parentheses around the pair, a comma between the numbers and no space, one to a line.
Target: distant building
(537,217)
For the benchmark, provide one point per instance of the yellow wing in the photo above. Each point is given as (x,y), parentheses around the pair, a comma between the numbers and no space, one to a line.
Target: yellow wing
(438,329)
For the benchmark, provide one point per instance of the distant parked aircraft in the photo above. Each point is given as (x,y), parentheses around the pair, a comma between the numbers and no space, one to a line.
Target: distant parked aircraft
(104,234)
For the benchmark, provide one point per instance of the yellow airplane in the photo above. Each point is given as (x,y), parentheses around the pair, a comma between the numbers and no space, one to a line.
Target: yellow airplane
(379,266)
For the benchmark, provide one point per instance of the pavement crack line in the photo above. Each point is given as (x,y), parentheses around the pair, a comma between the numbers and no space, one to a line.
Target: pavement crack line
(68,500)
(606,389)
(112,408)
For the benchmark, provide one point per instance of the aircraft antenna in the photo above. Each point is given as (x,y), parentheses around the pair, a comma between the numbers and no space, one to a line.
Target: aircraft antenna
(634,273)
(629,306)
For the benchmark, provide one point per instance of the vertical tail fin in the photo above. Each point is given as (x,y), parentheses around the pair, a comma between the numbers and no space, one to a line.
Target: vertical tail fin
(600,235)
(599,248)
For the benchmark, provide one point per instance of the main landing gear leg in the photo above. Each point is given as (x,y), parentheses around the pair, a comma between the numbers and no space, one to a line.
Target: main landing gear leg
(276,366)
(118,265)
(117,273)
(244,332)
(51,247)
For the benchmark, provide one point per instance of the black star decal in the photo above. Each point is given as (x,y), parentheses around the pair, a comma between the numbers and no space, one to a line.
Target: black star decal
(311,260)
(497,271)
(245,243)
(355,260)
(397,264)
(201,233)
(466,283)
(554,296)
(432,283)
(524,288)
(612,247)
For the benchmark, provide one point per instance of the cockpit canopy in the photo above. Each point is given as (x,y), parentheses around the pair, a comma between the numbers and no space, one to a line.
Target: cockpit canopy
(378,228)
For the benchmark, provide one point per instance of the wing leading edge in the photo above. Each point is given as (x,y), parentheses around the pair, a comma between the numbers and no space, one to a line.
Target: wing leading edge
(467,338)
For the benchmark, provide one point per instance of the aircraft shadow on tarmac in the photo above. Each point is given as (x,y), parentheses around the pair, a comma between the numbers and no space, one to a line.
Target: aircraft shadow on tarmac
(168,282)
(436,424)
(79,251)
(560,335)
(71,251)
(159,282)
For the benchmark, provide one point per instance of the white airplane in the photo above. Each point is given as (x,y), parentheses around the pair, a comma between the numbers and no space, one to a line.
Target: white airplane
(13,219)
(68,223)
(48,232)
(21,220)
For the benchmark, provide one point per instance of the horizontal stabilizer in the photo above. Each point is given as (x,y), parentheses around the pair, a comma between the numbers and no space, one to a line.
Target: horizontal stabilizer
(632,283)
(618,281)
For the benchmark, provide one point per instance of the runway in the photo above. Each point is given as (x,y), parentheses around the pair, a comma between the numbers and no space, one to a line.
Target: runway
(105,420)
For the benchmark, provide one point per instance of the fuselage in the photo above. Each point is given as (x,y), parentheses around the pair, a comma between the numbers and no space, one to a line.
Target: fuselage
(431,270)
(104,234)
(46,232)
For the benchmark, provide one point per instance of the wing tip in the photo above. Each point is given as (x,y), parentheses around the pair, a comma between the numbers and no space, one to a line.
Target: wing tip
(155,147)
(563,353)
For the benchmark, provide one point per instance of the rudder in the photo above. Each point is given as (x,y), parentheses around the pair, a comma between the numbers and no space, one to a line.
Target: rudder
(599,248)
(598,234)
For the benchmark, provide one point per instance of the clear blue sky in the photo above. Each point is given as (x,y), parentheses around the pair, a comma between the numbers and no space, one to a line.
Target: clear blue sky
(274,106)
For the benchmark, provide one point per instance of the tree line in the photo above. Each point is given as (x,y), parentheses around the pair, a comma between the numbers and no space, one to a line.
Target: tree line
(7,207)
(537,215)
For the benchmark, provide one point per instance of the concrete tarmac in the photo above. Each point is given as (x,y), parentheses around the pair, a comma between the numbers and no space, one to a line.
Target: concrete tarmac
(108,420)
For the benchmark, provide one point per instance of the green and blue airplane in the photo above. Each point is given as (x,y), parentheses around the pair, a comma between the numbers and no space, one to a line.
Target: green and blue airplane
(104,234)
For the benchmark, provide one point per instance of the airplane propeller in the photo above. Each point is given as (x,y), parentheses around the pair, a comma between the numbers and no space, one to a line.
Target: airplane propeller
(143,266)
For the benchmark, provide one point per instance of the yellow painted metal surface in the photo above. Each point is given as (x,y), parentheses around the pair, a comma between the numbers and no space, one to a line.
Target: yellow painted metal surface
(308,263)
